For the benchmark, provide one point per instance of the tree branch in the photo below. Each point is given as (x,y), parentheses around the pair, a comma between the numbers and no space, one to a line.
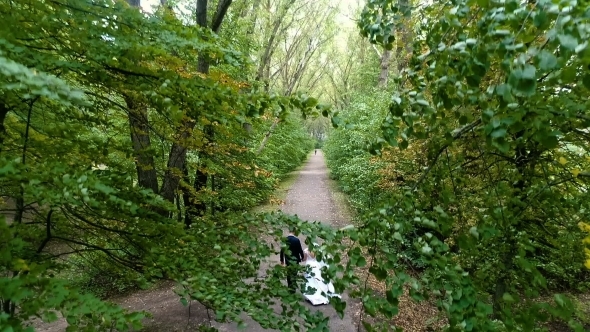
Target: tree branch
(457,133)
(47,232)
(220,14)
(267,136)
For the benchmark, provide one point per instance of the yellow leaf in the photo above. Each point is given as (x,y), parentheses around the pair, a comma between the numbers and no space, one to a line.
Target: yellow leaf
(562,160)
(21,265)
(575,172)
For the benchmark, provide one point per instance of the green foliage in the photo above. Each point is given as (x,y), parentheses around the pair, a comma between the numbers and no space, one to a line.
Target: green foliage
(122,161)
(117,145)
(289,146)
(95,274)
(346,151)
(33,288)
(492,115)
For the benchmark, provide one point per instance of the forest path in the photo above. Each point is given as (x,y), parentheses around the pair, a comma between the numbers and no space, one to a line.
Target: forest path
(312,199)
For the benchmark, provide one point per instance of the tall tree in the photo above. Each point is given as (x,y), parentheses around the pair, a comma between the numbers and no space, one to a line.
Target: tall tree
(140,135)
(195,208)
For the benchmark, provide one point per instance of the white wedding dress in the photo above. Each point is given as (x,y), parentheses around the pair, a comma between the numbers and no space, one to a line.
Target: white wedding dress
(323,291)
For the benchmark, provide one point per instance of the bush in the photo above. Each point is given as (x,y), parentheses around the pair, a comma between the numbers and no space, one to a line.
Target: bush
(93,273)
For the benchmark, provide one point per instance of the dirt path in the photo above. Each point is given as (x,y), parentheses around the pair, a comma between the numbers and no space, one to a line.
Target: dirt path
(311,199)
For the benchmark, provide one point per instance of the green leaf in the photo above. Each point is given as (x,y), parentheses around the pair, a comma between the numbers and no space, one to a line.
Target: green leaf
(499,132)
(242,325)
(403,144)
(523,80)
(361,262)
(540,19)
(339,305)
(549,141)
(568,41)
(561,300)
(507,298)
(504,91)
(391,297)
(379,272)
(547,60)
(310,102)
(7,329)
(368,326)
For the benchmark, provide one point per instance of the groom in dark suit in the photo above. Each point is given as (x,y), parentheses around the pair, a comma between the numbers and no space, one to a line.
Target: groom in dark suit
(292,257)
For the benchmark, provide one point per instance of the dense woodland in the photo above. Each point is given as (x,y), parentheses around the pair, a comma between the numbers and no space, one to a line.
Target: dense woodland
(135,143)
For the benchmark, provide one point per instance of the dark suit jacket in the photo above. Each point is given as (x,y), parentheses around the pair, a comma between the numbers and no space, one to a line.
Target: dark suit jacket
(295,252)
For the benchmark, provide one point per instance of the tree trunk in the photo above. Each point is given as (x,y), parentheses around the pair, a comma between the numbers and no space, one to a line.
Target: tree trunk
(222,7)
(384,72)
(265,60)
(186,198)
(263,67)
(201,14)
(177,157)
(252,24)
(200,208)
(201,177)
(404,39)
(176,162)
(140,139)
(3,113)
(267,136)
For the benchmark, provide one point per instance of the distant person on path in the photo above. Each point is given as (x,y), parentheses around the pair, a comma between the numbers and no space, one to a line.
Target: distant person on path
(291,259)
(316,151)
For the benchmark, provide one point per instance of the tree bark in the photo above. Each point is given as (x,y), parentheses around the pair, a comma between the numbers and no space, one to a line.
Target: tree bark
(222,7)
(265,60)
(200,208)
(140,139)
(384,72)
(186,198)
(201,177)
(176,162)
(201,14)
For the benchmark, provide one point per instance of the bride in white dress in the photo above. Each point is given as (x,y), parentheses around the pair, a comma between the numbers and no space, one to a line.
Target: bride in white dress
(323,291)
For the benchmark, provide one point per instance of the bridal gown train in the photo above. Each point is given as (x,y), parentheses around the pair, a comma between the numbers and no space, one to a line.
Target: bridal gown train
(323,291)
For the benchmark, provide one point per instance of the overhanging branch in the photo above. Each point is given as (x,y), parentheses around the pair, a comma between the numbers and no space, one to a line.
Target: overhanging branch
(457,133)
